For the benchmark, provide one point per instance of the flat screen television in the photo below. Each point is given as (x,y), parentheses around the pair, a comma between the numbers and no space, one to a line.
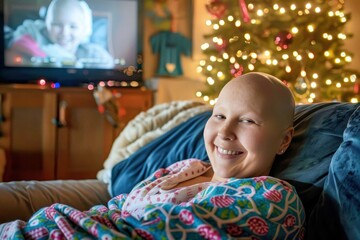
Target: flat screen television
(71,42)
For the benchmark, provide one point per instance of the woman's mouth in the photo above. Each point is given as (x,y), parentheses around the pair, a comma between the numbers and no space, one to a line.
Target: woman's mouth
(224,151)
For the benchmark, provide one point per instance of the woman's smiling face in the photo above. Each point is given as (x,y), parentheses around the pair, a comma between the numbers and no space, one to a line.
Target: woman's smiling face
(244,133)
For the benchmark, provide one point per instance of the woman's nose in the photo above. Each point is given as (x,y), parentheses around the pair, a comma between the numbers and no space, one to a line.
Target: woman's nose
(226,133)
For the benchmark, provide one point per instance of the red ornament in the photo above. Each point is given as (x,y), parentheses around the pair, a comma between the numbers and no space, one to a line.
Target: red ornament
(237,71)
(356,88)
(216,8)
(283,39)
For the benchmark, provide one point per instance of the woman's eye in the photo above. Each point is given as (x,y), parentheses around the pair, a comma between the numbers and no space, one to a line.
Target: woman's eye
(247,121)
(218,116)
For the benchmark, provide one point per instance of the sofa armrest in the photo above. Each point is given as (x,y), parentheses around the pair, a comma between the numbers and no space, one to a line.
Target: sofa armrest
(19,200)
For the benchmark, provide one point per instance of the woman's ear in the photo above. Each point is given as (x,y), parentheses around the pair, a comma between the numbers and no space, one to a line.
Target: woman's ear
(288,134)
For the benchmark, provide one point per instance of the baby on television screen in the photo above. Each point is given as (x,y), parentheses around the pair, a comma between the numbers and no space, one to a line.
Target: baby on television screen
(67,34)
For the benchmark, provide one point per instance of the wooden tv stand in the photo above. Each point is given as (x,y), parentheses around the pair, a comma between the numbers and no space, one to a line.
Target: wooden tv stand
(37,147)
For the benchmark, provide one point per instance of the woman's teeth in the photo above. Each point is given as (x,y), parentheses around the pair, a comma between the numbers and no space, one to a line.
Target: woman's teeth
(228,152)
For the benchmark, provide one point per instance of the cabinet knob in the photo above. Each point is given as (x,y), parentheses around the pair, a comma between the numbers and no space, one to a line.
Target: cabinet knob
(61,120)
(2,117)
(57,123)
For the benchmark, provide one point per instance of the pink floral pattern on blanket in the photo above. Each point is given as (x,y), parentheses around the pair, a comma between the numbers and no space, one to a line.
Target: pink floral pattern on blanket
(254,208)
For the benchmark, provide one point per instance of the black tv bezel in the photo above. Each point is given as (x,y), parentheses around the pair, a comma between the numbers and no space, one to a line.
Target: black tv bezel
(72,77)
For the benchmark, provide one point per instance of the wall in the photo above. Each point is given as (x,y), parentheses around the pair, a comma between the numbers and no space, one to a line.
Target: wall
(185,87)
(353,26)
(182,24)
(182,87)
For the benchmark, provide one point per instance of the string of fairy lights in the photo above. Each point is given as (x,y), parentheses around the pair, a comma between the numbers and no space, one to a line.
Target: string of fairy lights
(281,55)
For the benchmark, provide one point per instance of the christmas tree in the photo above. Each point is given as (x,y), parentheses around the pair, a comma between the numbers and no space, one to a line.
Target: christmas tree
(300,42)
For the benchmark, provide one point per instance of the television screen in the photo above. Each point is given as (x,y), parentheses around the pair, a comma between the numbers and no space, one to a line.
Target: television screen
(70,41)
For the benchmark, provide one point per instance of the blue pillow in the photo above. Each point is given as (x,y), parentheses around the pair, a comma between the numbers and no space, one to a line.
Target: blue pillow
(337,213)
(182,142)
(318,134)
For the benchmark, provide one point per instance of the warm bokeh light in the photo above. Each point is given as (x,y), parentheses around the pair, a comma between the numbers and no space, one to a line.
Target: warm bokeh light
(308,53)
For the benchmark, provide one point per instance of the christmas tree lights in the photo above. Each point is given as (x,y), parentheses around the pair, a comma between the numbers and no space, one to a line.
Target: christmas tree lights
(300,42)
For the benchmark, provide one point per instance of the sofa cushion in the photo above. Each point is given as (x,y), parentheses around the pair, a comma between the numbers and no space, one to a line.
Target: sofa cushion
(19,200)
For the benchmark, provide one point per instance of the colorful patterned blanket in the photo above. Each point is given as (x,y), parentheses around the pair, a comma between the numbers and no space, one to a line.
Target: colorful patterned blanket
(252,208)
